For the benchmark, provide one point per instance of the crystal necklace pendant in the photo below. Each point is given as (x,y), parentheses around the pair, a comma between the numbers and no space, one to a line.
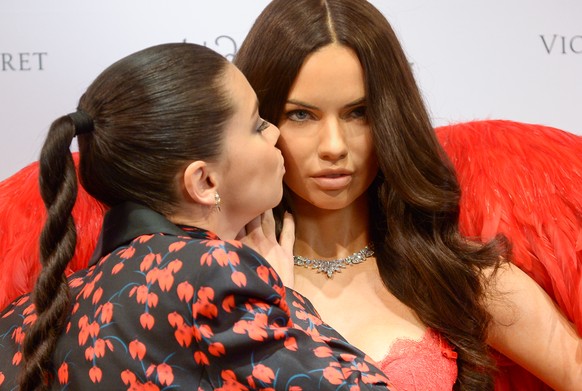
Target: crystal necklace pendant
(332,266)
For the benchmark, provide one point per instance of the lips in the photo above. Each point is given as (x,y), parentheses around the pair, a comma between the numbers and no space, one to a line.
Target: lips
(332,180)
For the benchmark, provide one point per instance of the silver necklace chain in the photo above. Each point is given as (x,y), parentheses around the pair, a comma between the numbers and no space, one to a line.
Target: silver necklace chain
(334,265)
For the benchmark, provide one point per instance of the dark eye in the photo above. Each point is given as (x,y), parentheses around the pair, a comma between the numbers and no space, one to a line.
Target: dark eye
(298,115)
(263,126)
(359,112)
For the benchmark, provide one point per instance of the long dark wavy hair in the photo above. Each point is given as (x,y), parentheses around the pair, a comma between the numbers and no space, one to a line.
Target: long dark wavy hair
(414,201)
(152,113)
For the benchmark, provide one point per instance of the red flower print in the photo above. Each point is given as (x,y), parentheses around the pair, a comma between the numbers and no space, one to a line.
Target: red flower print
(152,275)
(333,375)
(216,349)
(17,358)
(6,315)
(183,335)
(90,353)
(147,321)
(100,347)
(362,367)
(176,246)
(152,299)
(291,344)
(201,358)
(87,289)
(235,243)
(30,319)
(322,351)
(137,349)
(94,329)
(75,282)
(147,261)
(254,329)
(106,312)
(175,319)
(175,266)
(203,306)
(150,370)
(126,253)
(213,243)
(263,273)
(2,377)
(295,388)
(144,238)
(18,335)
(142,293)
(233,258)
(350,357)
(97,295)
(185,291)
(165,374)
(206,259)
(228,303)
(95,374)
(239,278)
(263,373)
(221,257)
(128,377)
(117,268)
(165,279)
(206,331)
(230,382)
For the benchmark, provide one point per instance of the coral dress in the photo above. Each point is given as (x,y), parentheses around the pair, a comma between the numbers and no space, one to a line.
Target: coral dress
(428,364)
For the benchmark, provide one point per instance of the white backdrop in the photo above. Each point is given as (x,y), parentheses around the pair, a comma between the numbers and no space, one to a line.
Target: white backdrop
(480,59)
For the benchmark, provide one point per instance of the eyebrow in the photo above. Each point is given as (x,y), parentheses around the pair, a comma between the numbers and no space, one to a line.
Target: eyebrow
(356,102)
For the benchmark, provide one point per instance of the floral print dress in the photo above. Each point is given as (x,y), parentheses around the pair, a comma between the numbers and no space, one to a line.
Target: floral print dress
(164,307)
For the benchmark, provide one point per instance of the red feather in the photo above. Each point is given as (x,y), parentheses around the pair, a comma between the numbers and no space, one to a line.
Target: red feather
(525,181)
(22,215)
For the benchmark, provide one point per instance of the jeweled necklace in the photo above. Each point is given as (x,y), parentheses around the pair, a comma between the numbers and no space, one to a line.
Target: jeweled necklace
(334,265)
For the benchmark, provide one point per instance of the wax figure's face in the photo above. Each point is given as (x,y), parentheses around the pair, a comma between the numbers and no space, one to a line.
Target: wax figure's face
(325,136)
(252,167)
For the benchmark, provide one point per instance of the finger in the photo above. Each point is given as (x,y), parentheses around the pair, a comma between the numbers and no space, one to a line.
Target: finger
(287,237)
(268,225)
(241,234)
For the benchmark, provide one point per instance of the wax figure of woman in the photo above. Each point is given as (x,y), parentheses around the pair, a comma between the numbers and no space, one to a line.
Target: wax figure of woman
(171,141)
(367,179)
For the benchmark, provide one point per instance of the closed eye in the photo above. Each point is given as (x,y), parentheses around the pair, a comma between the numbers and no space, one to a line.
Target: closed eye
(263,126)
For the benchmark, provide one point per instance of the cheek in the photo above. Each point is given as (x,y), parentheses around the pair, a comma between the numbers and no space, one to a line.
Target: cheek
(293,151)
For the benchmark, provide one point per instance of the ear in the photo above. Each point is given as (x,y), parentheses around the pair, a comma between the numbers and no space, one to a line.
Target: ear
(200,183)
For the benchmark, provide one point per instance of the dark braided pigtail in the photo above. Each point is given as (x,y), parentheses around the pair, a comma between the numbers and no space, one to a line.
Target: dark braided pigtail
(58,186)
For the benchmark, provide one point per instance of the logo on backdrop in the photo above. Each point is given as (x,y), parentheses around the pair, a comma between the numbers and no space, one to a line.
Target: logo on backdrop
(562,44)
(22,61)
(223,44)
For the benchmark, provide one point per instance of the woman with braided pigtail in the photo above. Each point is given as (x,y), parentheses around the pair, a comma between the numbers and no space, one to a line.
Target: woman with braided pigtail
(188,285)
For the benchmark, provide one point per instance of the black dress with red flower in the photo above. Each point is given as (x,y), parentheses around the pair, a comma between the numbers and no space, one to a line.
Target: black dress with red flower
(164,307)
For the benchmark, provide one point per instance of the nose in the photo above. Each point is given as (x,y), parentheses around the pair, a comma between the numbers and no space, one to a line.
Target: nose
(332,144)
(274,133)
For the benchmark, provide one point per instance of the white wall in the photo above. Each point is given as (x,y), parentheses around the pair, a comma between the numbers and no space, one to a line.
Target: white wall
(474,59)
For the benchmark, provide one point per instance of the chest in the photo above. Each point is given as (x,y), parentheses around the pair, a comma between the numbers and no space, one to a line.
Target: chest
(358,306)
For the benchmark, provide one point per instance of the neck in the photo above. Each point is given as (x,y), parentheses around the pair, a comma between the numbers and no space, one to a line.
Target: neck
(331,234)
(208,218)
